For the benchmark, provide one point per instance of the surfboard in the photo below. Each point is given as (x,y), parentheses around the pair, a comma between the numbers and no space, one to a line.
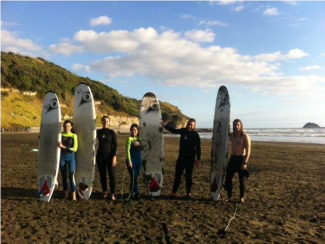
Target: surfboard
(220,140)
(84,125)
(49,152)
(152,142)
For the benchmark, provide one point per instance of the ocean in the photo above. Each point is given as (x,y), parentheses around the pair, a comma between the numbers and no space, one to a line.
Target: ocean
(298,135)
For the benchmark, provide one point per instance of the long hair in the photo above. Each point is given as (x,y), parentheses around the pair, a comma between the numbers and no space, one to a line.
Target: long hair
(241,131)
(136,126)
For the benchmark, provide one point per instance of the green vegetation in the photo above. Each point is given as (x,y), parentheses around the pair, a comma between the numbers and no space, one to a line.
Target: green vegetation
(38,75)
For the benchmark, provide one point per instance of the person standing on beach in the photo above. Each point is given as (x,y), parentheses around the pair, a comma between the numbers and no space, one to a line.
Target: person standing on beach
(68,145)
(106,156)
(241,150)
(190,146)
(133,159)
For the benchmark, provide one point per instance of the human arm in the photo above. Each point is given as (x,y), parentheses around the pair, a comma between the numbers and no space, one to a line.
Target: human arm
(247,146)
(74,147)
(128,148)
(198,150)
(114,145)
(171,129)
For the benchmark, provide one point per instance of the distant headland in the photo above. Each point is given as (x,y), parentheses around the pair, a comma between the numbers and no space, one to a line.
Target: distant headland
(311,125)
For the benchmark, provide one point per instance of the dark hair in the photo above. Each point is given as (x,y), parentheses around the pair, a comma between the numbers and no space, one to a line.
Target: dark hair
(241,127)
(105,116)
(191,120)
(67,122)
(136,126)
(71,123)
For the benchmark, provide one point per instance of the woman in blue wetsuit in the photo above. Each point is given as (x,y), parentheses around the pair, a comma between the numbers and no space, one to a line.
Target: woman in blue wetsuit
(133,161)
(68,145)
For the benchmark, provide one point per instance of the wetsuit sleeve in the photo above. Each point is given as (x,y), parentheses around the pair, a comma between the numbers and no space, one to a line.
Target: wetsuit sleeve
(128,147)
(75,144)
(173,130)
(114,142)
(198,147)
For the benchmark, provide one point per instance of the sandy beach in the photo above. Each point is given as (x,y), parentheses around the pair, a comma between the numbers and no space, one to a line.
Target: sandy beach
(285,201)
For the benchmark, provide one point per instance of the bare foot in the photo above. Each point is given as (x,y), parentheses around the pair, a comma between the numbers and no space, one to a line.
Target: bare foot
(66,195)
(113,197)
(105,194)
(74,197)
(173,195)
(242,200)
(228,199)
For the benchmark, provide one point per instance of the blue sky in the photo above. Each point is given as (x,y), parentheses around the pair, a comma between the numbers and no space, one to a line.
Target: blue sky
(270,55)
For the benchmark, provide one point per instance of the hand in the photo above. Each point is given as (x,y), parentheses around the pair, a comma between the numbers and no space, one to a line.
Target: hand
(129,164)
(197,163)
(162,123)
(114,161)
(244,166)
(59,144)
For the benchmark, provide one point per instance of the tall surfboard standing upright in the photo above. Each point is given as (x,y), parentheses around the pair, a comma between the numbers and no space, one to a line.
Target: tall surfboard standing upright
(152,141)
(220,140)
(49,152)
(84,125)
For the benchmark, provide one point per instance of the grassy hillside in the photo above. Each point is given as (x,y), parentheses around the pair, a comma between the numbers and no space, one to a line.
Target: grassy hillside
(38,75)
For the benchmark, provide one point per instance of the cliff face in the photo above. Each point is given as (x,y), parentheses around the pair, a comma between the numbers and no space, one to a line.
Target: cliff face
(310,125)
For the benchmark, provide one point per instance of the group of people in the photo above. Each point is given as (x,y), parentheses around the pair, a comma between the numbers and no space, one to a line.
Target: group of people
(189,156)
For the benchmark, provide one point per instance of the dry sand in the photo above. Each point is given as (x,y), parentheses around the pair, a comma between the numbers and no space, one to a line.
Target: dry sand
(285,201)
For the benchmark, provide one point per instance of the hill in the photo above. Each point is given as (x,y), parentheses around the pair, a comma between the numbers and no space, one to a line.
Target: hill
(25,81)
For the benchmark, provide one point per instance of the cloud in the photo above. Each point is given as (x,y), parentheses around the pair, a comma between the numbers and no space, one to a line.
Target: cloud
(290,2)
(188,16)
(238,8)
(212,23)
(200,35)
(309,68)
(226,2)
(271,12)
(303,19)
(66,47)
(102,20)
(173,59)
(3,23)
(276,56)
(322,55)
(297,53)
(10,42)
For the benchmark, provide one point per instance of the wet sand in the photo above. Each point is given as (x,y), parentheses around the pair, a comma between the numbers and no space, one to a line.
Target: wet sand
(285,201)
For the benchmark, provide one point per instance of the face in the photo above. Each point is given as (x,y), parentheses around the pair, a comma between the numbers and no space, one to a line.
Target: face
(105,122)
(190,126)
(237,126)
(67,127)
(134,131)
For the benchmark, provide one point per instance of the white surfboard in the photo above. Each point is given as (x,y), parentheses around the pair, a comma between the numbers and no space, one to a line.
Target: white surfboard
(49,152)
(152,142)
(84,124)
(220,140)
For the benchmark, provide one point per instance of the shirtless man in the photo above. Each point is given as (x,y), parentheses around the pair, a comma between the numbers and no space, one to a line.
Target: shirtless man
(241,150)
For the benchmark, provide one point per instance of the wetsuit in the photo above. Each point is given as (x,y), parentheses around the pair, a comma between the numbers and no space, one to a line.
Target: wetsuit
(107,149)
(133,154)
(69,140)
(190,145)
(234,166)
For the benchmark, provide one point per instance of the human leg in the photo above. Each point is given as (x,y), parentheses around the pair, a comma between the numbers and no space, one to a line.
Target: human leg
(102,174)
(63,170)
(180,165)
(189,172)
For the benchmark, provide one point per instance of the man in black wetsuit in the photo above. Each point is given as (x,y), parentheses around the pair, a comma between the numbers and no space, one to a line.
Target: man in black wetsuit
(190,145)
(106,156)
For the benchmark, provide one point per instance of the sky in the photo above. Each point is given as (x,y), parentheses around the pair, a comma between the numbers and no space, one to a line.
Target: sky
(270,55)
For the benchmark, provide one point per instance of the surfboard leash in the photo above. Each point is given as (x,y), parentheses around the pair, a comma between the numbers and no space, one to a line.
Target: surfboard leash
(222,232)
